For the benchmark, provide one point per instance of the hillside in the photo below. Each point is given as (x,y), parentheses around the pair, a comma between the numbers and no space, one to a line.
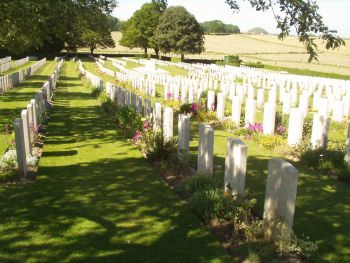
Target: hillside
(265,48)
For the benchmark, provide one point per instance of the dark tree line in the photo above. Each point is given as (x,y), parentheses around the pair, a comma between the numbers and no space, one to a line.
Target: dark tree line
(218,27)
(48,26)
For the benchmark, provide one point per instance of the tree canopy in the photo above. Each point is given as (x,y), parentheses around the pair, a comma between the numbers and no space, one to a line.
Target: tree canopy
(179,32)
(218,27)
(257,30)
(49,26)
(139,29)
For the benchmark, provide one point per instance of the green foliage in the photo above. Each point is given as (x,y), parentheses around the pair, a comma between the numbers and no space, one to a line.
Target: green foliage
(69,18)
(212,204)
(233,60)
(287,242)
(307,128)
(155,147)
(330,159)
(179,32)
(206,116)
(217,26)
(302,15)
(139,29)
(201,182)
(128,119)
(243,132)
(186,108)
(105,101)
(269,141)
(254,64)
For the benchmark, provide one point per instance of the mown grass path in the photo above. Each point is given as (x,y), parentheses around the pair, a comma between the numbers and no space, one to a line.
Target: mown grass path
(96,198)
(16,99)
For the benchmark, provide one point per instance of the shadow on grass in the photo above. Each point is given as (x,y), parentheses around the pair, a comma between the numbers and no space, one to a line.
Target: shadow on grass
(97,199)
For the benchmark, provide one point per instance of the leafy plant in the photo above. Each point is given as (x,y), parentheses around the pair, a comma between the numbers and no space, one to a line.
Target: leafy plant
(129,120)
(269,141)
(155,147)
(201,182)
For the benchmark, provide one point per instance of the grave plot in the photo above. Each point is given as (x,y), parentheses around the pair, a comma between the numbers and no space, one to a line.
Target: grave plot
(96,197)
(12,102)
(258,100)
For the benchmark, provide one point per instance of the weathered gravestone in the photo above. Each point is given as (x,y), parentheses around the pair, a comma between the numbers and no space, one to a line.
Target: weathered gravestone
(168,123)
(184,137)
(235,166)
(319,134)
(20,147)
(205,150)
(280,196)
(295,127)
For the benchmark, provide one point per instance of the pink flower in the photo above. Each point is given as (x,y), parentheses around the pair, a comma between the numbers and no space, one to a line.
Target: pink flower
(255,127)
(146,125)
(169,95)
(136,137)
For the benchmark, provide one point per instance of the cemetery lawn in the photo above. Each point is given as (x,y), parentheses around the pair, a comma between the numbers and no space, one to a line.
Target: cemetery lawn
(15,69)
(15,100)
(323,204)
(96,199)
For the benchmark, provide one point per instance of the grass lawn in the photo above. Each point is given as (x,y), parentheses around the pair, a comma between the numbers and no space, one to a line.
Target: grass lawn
(15,69)
(96,198)
(15,100)
(323,204)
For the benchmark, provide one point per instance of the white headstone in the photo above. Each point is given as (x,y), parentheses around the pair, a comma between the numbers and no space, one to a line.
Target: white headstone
(168,123)
(235,166)
(280,196)
(205,150)
(320,127)
(220,111)
(184,137)
(295,127)
(269,118)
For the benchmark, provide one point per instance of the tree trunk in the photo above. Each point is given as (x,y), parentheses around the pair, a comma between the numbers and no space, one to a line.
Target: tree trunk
(92,50)
(182,57)
(157,52)
(145,52)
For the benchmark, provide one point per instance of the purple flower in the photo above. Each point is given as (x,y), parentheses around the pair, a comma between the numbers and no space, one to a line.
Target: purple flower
(195,107)
(169,95)
(255,127)
(281,129)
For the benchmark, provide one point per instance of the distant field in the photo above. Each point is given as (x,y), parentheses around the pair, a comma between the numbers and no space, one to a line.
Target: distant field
(267,49)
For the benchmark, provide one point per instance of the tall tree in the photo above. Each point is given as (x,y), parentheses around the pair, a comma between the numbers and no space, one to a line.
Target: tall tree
(46,26)
(139,29)
(302,15)
(179,32)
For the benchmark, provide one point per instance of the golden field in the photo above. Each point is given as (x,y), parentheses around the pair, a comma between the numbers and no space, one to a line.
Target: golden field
(267,49)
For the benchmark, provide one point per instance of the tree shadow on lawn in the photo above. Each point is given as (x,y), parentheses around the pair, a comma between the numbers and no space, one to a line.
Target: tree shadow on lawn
(109,210)
(322,208)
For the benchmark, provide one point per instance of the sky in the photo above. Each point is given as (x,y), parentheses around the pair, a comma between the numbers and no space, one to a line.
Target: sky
(335,13)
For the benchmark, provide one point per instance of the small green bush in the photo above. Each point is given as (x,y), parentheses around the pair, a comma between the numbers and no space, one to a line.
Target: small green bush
(269,141)
(128,119)
(105,102)
(201,183)
(155,147)
(307,128)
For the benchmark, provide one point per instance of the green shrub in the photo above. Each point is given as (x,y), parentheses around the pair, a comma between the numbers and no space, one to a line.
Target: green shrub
(105,102)
(128,119)
(233,60)
(155,147)
(254,64)
(186,108)
(307,128)
(201,183)
(269,141)
(243,132)
(206,116)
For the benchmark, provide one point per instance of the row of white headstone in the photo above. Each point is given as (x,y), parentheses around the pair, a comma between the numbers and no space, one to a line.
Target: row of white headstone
(9,63)
(9,81)
(246,94)
(281,187)
(5,60)
(28,124)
